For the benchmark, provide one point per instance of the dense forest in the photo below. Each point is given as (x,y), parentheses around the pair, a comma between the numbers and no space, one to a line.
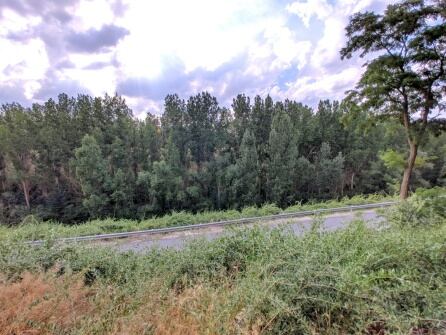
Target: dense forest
(74,159)
(77,158)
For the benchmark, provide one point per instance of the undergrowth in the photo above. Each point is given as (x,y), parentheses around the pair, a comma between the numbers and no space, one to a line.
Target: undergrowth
(250,281)
(33,229)
(425,207)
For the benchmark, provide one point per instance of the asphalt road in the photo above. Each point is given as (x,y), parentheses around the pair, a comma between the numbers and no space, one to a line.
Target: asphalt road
(297,225)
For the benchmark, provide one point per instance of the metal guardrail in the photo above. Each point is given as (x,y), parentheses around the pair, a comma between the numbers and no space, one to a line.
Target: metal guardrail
(155,231)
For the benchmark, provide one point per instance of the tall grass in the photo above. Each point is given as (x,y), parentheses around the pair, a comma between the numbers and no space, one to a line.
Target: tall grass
(251,281)
(32,229)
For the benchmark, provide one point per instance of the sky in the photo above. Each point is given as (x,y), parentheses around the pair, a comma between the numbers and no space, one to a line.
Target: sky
(146,49)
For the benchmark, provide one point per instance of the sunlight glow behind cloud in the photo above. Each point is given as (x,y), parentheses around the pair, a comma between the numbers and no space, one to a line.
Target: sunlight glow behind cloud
(147,49)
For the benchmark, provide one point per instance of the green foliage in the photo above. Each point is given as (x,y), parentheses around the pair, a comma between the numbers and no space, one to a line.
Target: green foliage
(47,230)
(283,157)
(328,176)
(397,161)
(405,80)
(393,160)
(195,157)
(91,171)
(246,183)
(425,207)
(352,281)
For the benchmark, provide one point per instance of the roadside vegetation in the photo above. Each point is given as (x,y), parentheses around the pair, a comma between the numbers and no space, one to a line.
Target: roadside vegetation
(31,228)
(74,159)
(251,281)
(84,165)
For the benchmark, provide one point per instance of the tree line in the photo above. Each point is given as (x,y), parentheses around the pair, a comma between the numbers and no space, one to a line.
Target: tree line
(76,158)
(89,157)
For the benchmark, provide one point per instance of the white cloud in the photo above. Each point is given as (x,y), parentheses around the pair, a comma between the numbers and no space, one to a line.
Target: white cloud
(223,46)
(326,76)
(93,14)
(200,33)
(315,88)
(13,22)
(25,61)
(327,48)
(307,9)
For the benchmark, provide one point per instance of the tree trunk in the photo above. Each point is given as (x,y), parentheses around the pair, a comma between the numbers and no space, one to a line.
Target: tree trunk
(25,187)
(404,191)
(352,183)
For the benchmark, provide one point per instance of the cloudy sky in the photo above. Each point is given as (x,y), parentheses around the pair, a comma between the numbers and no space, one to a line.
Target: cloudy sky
(145,49)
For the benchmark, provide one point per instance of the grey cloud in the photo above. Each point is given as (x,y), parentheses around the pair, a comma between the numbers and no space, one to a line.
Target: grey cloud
(61,15)
(11,68)
(52,86)
(173,79)
(65,64)
(58,38)
(48,9)
(94,40)
(12,92)
(96,65)
(52,30)
(227,81)
(118,7)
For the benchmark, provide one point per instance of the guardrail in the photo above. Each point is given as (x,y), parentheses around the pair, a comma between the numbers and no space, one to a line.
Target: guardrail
(217,223)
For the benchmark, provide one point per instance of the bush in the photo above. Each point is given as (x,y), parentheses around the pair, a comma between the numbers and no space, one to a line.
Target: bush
(351,281)
(425,207)
(34,230)
(434,200)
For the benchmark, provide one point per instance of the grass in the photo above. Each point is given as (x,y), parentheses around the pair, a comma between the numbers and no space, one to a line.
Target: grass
(31,229)
(251,281)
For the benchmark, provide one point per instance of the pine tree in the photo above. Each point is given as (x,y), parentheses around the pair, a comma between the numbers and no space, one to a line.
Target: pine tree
(262,114)
(247,172)
(18,134)
(283,157)
(91,171)
(329,172)
(241,106)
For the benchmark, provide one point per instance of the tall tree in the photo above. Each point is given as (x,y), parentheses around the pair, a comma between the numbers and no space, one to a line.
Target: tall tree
(247,172)
(173,123)
(91,171)
(261,118)
(18,132)
(283,159)
(241,106)
(202,116)
(406,79)
(328,172)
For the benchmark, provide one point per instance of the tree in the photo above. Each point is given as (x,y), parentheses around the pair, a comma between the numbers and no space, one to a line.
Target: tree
(17,143)
(305,121)
(261,118)
(283,158)
(173,123)
(247,172)
(328,172)
(201,119)
(91,171)
(241,106)
(165,188)
(406,80)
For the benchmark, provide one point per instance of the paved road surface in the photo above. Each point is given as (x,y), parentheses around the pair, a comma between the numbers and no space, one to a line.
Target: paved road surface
(298,226)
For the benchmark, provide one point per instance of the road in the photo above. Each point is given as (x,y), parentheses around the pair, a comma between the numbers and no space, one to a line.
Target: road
(298,226)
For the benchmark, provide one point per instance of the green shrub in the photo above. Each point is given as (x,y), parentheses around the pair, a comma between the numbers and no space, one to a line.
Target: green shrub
(434,200)
(425,207)
(34,230)
(346,282)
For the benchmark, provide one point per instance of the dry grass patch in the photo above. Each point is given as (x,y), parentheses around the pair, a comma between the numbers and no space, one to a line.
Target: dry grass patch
(43,304)
(201,309)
